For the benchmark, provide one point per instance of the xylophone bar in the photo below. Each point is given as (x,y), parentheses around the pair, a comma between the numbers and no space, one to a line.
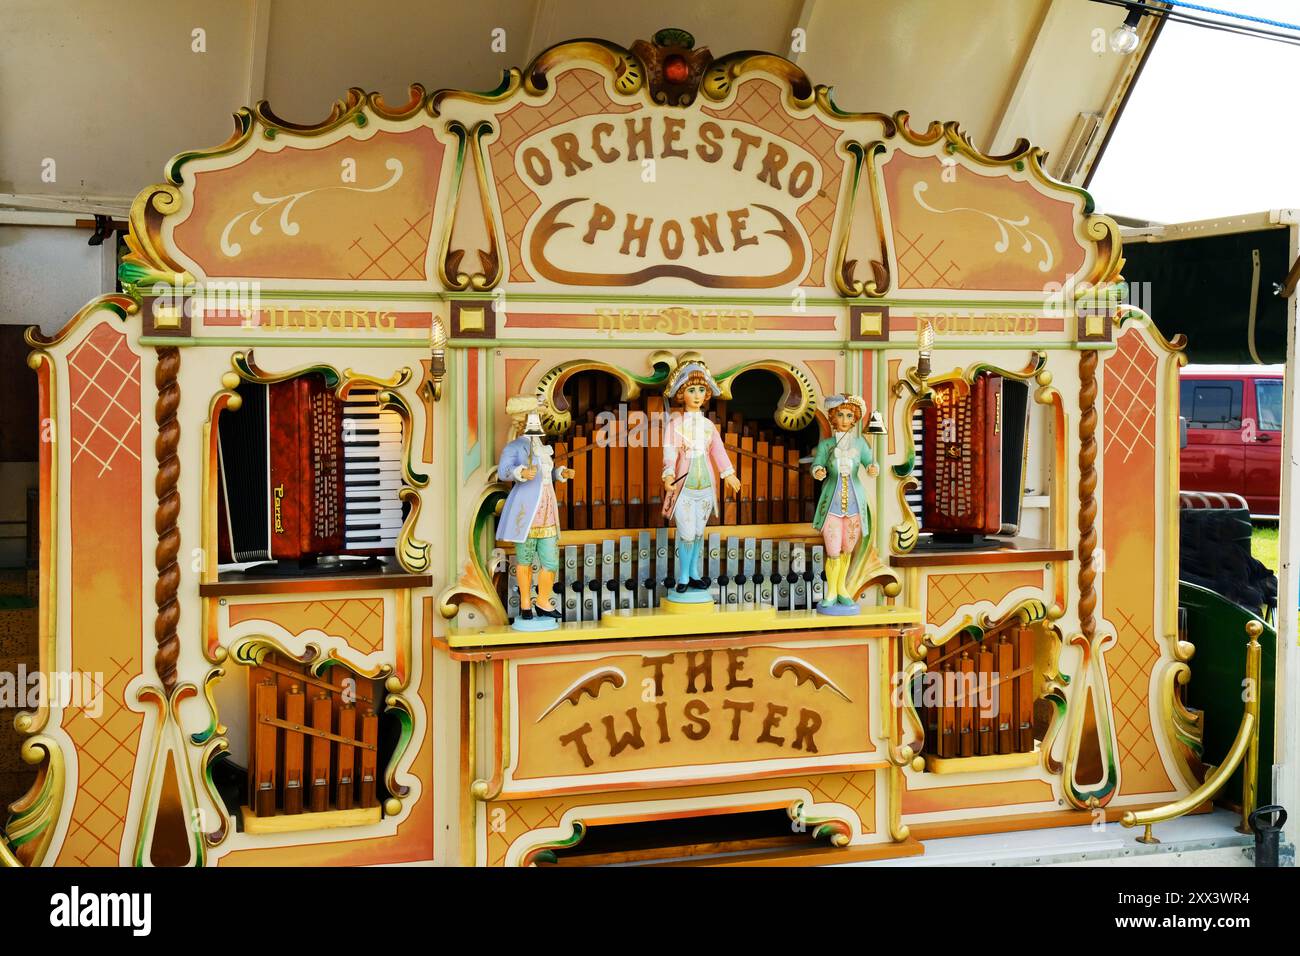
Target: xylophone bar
(625,572)
(985,742)
(321,720)
(968,702)
(305,742)
(1024,642)
(295,707)
(265,749)
(343,783)
(981,699)
(369,759)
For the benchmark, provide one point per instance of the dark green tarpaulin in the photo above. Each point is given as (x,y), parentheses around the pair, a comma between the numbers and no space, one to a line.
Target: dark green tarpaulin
(1201,288)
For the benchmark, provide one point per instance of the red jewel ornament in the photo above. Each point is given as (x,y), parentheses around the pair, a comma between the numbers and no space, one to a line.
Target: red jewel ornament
(676,70)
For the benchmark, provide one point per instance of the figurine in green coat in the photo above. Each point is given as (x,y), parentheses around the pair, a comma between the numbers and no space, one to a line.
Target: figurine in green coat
(842,516)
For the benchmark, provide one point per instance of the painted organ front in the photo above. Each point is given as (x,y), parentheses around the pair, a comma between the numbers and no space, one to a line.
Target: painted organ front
(936,423)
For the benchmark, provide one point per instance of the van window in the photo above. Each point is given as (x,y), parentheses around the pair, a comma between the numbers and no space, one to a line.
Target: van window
(1268,399)
(1211,404)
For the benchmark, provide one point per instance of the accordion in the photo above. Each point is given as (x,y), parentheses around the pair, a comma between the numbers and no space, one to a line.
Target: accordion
(974,445)
(302,474)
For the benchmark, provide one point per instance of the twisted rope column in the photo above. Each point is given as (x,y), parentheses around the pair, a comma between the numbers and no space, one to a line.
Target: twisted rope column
(166,514)
(1087,491)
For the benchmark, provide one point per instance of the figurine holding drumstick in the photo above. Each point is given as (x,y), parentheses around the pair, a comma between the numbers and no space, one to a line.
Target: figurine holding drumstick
(695,461)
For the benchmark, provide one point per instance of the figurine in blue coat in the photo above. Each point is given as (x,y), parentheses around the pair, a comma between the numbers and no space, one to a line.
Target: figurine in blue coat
(530,518)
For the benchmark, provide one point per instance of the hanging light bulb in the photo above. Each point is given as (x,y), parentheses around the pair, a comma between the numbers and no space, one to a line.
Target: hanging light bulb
(1124,38)
(924,343)
(438,357)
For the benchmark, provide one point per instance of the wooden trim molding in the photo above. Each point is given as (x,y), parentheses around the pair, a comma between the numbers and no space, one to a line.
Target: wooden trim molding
(321,584)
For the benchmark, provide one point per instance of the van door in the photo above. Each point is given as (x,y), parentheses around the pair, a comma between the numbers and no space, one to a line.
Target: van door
(1263,448)
(1215,458)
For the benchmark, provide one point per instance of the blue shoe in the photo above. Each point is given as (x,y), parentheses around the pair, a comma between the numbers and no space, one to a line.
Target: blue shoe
(845,601)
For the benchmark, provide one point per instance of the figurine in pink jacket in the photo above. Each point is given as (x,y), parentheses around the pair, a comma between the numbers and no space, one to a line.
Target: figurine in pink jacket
(695,460)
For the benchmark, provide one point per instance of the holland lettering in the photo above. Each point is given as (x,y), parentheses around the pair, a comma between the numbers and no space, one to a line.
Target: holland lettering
(991,323)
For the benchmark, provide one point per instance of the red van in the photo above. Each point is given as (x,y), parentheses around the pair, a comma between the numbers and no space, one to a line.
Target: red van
(1233,415)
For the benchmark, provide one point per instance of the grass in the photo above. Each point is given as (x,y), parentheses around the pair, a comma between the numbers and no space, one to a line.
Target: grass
(1263,545)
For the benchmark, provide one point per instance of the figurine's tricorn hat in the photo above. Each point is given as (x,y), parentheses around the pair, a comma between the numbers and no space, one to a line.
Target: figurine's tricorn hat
(835,401)
(518,406)
(682,373)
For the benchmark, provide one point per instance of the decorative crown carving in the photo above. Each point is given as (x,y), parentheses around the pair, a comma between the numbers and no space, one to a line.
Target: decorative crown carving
(674,69)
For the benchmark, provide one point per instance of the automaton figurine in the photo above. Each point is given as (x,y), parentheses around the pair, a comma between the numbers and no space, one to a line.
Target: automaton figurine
(531,517)
(695,461)
(842,515)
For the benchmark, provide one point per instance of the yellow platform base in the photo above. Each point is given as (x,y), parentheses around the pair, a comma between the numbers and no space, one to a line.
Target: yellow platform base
(653,622)
(682,607)
(988,762)
(688,619)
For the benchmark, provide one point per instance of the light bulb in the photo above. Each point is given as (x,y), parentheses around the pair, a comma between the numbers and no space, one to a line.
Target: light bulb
(925,336)
(1124,39)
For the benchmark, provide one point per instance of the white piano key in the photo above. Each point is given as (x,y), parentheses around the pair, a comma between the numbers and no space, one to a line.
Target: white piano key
(371,534)
(356,430)
(372,522)
(375,507)
(372,452)
(376,535)
(371,413)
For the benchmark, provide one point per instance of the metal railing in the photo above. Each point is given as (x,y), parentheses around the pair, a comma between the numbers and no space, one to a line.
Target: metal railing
(1244,752)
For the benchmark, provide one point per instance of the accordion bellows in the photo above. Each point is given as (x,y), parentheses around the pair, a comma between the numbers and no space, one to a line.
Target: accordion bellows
(975,441)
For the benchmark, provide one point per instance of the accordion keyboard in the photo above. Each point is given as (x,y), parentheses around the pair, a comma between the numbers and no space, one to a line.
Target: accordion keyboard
(372,455)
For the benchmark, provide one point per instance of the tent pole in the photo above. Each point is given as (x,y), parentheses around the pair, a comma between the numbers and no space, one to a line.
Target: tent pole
(1286,768)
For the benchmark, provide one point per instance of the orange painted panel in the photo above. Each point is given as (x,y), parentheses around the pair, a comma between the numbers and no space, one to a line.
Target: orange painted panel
(977,795)
(717,706)
(824,371)
(103,512)
(309,221)
(359,621)
(1129,541)
(955,228)
(946,593)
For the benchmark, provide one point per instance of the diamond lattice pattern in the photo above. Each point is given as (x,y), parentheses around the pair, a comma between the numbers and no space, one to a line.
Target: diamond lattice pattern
(359,621)
(578,93)
(104,387)
(1130,397)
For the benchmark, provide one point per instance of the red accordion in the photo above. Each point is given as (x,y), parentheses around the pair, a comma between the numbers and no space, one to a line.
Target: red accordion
(974,442)
(303,473)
